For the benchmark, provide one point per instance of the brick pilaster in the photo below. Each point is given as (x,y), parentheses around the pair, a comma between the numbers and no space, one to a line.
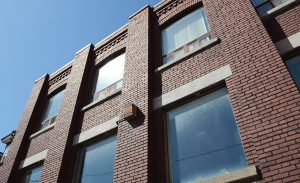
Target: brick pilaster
(56,166)
(16,153)
(131,163)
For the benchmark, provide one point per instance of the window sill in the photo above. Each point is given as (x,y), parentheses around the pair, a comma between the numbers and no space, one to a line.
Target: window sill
(98,101)
(42,131)
(206,45)
(280,8)
(248,174)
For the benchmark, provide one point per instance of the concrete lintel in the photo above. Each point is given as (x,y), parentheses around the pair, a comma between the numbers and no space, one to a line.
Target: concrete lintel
(83,48)
(192,87)
(282,7)
(33,159)
(96,131)
(238,176)
(288,44)
(146,6)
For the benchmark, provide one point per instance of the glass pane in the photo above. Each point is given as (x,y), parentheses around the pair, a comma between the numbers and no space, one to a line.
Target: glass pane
(264,8)
(294,68)
(53,105)
(33,175)
(204,139)
(184,30)
(110,73)
(258,2)
(98,163)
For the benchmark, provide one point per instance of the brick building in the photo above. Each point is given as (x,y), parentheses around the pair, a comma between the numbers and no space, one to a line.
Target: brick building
(187,91)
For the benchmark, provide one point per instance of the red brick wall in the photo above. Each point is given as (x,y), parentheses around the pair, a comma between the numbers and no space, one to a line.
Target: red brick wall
(102,112)
(265,99)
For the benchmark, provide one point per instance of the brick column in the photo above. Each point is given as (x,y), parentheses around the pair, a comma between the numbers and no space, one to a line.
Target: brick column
(9,169)
(59,158)
(131,164)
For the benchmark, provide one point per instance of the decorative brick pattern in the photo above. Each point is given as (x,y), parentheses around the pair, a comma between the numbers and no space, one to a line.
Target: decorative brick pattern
(115,44)
(167,7)
(59,77)
(174,9)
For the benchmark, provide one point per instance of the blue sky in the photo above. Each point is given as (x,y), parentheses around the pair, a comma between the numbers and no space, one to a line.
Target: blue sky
(38,37)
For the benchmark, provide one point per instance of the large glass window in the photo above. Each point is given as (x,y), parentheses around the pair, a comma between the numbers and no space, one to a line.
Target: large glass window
(97,162)
(33,175)
(293,65)
(204,140)
(262,6)
(185,35)
(52,109)
(109,77)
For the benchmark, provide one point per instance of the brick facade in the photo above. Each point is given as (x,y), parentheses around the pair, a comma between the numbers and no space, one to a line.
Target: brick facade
(264,97)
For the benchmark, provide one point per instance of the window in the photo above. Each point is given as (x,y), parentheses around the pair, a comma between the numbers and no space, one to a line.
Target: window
(262,6)
(7,140)
(109,78)
(5,153)
(33,175)
(96,162)
(293,65)
(185,35)
(204,140)
(52,109)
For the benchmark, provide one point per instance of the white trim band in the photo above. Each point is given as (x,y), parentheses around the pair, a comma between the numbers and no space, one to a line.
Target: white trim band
(288,44)
(97,130)
(192,87)
(33,159)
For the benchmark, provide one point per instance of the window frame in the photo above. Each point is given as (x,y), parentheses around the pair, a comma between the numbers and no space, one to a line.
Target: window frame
(179,103)
(5,153)
(78,168)
(272,2)
(26,171)
(291,56)
(204,37)
(51,120)
(96,75)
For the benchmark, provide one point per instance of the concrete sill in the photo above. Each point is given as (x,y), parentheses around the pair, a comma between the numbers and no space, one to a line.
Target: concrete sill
(42,131)
(96,102)
(248,174)
(207,45)
(283,7)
